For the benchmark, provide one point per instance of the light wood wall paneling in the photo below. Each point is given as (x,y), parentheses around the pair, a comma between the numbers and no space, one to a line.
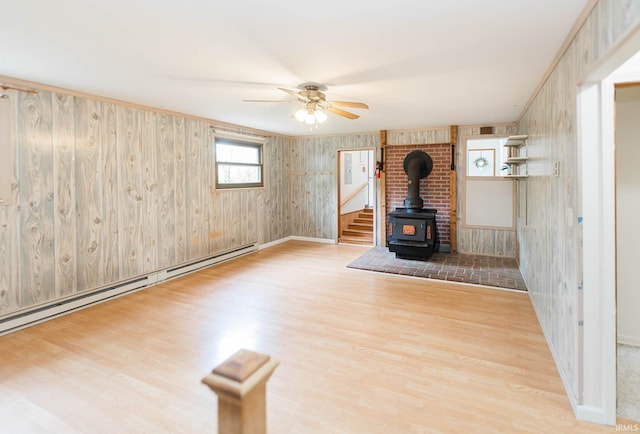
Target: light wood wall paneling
(206,168)
(314,195)
(9,227)
(111,192)
(232,220)
(240,234)
(246,197)
(64,185)
(284,195)
(311,226)
(296,197)
(420,136)
(327,188)
(204,176)
(131,235)
(166,191)
(329,206)
(276,198)
(230,210)
(194,187)
(229,203)
(216,233)
(269,196)
(254,212)
(180,167)
(90,231)
(149,145)
(36,198)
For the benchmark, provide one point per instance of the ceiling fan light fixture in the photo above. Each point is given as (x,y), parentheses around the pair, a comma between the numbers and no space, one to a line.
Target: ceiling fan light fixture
(301,115)
(310,118)
(320,116)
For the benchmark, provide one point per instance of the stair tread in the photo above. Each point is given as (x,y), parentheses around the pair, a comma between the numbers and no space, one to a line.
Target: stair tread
(359,220)
(356,233)
(359,239)
(361,227)
(360,230)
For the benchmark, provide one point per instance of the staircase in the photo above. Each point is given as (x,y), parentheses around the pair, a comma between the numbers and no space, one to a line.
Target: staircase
(360,230)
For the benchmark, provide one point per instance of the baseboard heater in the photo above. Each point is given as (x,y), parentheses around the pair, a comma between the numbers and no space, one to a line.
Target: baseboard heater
(58,308)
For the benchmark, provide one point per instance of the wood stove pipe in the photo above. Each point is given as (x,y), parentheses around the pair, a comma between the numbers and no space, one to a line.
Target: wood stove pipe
(417,165)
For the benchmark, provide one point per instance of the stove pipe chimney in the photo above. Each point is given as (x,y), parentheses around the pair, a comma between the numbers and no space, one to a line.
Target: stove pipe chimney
(417,165)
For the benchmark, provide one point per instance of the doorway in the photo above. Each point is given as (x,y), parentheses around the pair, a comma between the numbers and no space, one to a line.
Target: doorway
(356,197)
(597,156)
(627,136)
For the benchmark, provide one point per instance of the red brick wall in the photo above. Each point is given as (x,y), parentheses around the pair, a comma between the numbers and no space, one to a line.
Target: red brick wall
(434,189)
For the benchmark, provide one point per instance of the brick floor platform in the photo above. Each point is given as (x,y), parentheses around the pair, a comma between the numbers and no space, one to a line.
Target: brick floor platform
(456,267)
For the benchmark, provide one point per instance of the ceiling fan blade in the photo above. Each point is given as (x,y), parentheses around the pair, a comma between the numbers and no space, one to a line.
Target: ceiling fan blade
(342,113)
(294,93)
(349,104)
(268,100)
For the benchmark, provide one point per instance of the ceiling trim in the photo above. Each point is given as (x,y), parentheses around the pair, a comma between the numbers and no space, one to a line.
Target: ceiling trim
(212,122)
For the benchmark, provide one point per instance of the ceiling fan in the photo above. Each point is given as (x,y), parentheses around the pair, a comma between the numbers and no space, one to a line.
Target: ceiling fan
(315,103)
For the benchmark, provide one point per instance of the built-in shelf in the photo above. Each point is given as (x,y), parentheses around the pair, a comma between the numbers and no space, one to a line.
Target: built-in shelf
(516,160)
(515,141)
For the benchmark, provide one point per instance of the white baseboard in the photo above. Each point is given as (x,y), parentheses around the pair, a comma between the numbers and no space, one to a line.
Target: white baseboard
(314,240)
(593,414)
(296,238)
(274,243)
(573,399)
(582,412)
(629,340)
(45,313)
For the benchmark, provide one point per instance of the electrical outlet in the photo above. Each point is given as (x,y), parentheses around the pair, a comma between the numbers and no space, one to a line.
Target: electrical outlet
(556,168)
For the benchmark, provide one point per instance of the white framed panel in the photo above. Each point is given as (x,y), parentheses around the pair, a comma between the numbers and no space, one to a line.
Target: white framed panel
(489,203)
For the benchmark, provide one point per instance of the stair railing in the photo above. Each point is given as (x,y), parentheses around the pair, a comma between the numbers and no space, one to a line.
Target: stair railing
(354,194)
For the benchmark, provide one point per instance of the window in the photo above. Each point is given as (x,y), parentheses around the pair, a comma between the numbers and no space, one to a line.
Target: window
(238,164)
(486,156)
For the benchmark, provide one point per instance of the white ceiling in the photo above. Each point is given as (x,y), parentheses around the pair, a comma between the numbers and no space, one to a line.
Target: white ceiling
(417,63)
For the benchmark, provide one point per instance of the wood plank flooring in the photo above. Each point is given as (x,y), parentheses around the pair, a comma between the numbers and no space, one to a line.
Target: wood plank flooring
(360,352)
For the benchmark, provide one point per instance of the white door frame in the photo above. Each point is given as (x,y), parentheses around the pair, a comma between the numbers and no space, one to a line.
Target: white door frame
(596,174)
(370,173)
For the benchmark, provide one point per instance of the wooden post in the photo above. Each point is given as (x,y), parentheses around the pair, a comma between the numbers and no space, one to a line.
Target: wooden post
(240,383)
(382,215)
(453,139)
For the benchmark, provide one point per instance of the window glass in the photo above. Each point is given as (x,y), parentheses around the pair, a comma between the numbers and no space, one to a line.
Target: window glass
(238,164)
(485,157)
(232,153)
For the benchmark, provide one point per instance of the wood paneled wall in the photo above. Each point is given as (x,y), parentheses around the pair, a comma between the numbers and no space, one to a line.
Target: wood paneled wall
(314,191)
(551,240)
(105,192)
(426,136)
(480,241)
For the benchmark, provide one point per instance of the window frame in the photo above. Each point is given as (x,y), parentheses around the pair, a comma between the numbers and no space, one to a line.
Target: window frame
(243,142)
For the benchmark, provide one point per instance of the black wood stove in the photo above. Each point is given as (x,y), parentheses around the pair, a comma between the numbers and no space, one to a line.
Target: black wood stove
(412,232)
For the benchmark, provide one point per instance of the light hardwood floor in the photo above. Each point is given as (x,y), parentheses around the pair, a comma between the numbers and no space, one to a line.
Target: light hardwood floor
(360,352)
